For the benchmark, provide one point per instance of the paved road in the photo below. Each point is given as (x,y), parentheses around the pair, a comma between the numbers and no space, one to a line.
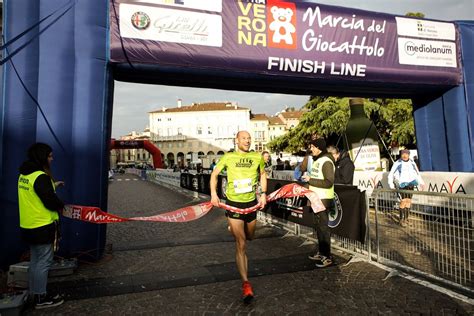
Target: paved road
(188,268)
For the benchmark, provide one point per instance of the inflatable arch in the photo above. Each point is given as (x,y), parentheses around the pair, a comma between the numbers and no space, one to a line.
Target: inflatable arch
(63,55)
(146,144)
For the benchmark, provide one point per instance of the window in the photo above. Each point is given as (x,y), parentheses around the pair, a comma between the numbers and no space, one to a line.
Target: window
(199,130)
(169,119)
(159,119)
(180,131)
(209,130)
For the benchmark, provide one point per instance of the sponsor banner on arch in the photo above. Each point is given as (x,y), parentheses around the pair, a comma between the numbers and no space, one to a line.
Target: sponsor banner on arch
(289,38)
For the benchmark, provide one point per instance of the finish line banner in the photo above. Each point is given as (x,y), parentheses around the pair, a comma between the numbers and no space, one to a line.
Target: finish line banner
(286,38)
(189,213)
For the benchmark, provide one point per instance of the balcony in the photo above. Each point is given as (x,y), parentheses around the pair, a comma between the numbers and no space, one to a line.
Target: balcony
(173,138)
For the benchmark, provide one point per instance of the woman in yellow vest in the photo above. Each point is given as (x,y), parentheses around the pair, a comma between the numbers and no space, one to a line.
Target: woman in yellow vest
(321,181)
(39,216)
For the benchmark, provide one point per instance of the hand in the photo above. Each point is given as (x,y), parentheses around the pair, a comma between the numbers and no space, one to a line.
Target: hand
(215,200)
(306,178)
(58,184)
(263,200)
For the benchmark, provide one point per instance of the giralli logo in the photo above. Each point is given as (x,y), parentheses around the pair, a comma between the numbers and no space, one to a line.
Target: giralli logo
(447,187)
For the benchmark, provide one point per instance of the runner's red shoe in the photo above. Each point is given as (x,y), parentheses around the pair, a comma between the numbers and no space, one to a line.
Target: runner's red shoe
(247,292)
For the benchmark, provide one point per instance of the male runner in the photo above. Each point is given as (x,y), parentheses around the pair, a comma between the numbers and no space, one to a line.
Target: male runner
(243,170)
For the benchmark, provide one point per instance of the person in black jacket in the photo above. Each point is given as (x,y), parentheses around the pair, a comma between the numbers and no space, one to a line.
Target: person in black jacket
(39,208)
(344,166)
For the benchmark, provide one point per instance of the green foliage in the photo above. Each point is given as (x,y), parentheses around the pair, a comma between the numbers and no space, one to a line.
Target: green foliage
(328,116)
(415,14)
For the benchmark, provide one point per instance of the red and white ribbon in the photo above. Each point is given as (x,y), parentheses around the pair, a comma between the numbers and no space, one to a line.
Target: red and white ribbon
(189,213)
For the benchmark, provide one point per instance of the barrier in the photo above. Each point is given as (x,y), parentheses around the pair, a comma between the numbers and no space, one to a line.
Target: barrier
(438,241)
(166,176)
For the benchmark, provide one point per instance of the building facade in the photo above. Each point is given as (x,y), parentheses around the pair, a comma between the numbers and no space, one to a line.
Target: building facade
(259,131)
(198,132)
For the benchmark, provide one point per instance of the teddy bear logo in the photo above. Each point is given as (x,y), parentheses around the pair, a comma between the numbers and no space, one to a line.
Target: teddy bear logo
(281,25)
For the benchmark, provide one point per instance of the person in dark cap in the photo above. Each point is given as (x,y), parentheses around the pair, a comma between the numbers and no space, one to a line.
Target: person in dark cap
(39,208)
(321,181)
(404,175)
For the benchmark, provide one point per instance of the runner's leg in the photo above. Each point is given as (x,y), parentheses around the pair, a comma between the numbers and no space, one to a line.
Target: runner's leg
(238,230)
(250,229)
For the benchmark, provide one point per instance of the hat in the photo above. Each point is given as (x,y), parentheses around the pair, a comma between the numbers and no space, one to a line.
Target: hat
(319,143)
(404,151)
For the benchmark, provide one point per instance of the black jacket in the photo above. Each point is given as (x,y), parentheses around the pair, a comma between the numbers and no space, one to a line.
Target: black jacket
(45,191)
(344,169)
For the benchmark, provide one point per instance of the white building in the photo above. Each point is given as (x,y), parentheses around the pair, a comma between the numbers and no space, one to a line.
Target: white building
(185,134)
(276,127)
(290,118)
(259,132)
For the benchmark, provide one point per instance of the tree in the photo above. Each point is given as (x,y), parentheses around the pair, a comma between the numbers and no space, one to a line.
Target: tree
(328,117)
(325,116)
(415,14)
(393,119)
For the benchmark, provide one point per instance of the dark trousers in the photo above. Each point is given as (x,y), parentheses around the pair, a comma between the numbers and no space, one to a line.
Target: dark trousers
(323,232)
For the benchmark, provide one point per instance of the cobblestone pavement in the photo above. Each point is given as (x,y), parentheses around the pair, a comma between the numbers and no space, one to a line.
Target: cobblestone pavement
(188,268)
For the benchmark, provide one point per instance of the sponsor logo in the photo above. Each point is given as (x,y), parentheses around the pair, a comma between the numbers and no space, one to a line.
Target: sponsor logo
(411,49)
(335,213)
(267,23)
(171,25)
(76,213)
(140,20)
(244,163)
(448,187)
(427,53)
(195,183)
(372,183)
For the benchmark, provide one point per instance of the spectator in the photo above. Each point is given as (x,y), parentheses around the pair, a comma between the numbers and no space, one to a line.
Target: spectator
(267,159)
(286,165)
(213,164)
(404,175)
(344,173)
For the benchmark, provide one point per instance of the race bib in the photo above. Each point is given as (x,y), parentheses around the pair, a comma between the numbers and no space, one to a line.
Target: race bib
(243,185)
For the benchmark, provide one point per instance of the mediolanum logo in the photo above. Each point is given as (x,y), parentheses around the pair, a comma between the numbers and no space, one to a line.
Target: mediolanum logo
(140,20)
(412,48)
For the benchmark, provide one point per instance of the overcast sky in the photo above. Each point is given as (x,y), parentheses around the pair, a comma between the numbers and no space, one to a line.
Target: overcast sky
(132,102)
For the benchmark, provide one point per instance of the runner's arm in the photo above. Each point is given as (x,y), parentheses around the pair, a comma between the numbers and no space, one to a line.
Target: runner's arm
(213,184)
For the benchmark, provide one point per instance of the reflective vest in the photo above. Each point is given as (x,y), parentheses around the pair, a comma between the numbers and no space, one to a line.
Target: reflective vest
(33,213)
(317,173)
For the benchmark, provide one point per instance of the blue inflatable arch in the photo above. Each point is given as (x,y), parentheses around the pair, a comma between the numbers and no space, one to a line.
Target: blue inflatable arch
(58,83)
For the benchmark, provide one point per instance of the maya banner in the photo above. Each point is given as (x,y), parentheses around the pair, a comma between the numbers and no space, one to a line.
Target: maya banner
(285,38)
(189,213)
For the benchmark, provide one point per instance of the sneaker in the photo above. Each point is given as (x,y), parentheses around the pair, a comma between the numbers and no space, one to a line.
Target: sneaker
(317,256)
(47,301)
(247,292)
(324,262)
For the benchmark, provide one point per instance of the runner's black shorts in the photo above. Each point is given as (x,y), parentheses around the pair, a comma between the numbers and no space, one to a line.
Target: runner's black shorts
(250,217)
(407,195)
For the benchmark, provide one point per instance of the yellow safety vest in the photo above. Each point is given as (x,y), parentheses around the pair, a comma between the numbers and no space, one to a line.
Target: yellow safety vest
(33,213)
(317,173)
